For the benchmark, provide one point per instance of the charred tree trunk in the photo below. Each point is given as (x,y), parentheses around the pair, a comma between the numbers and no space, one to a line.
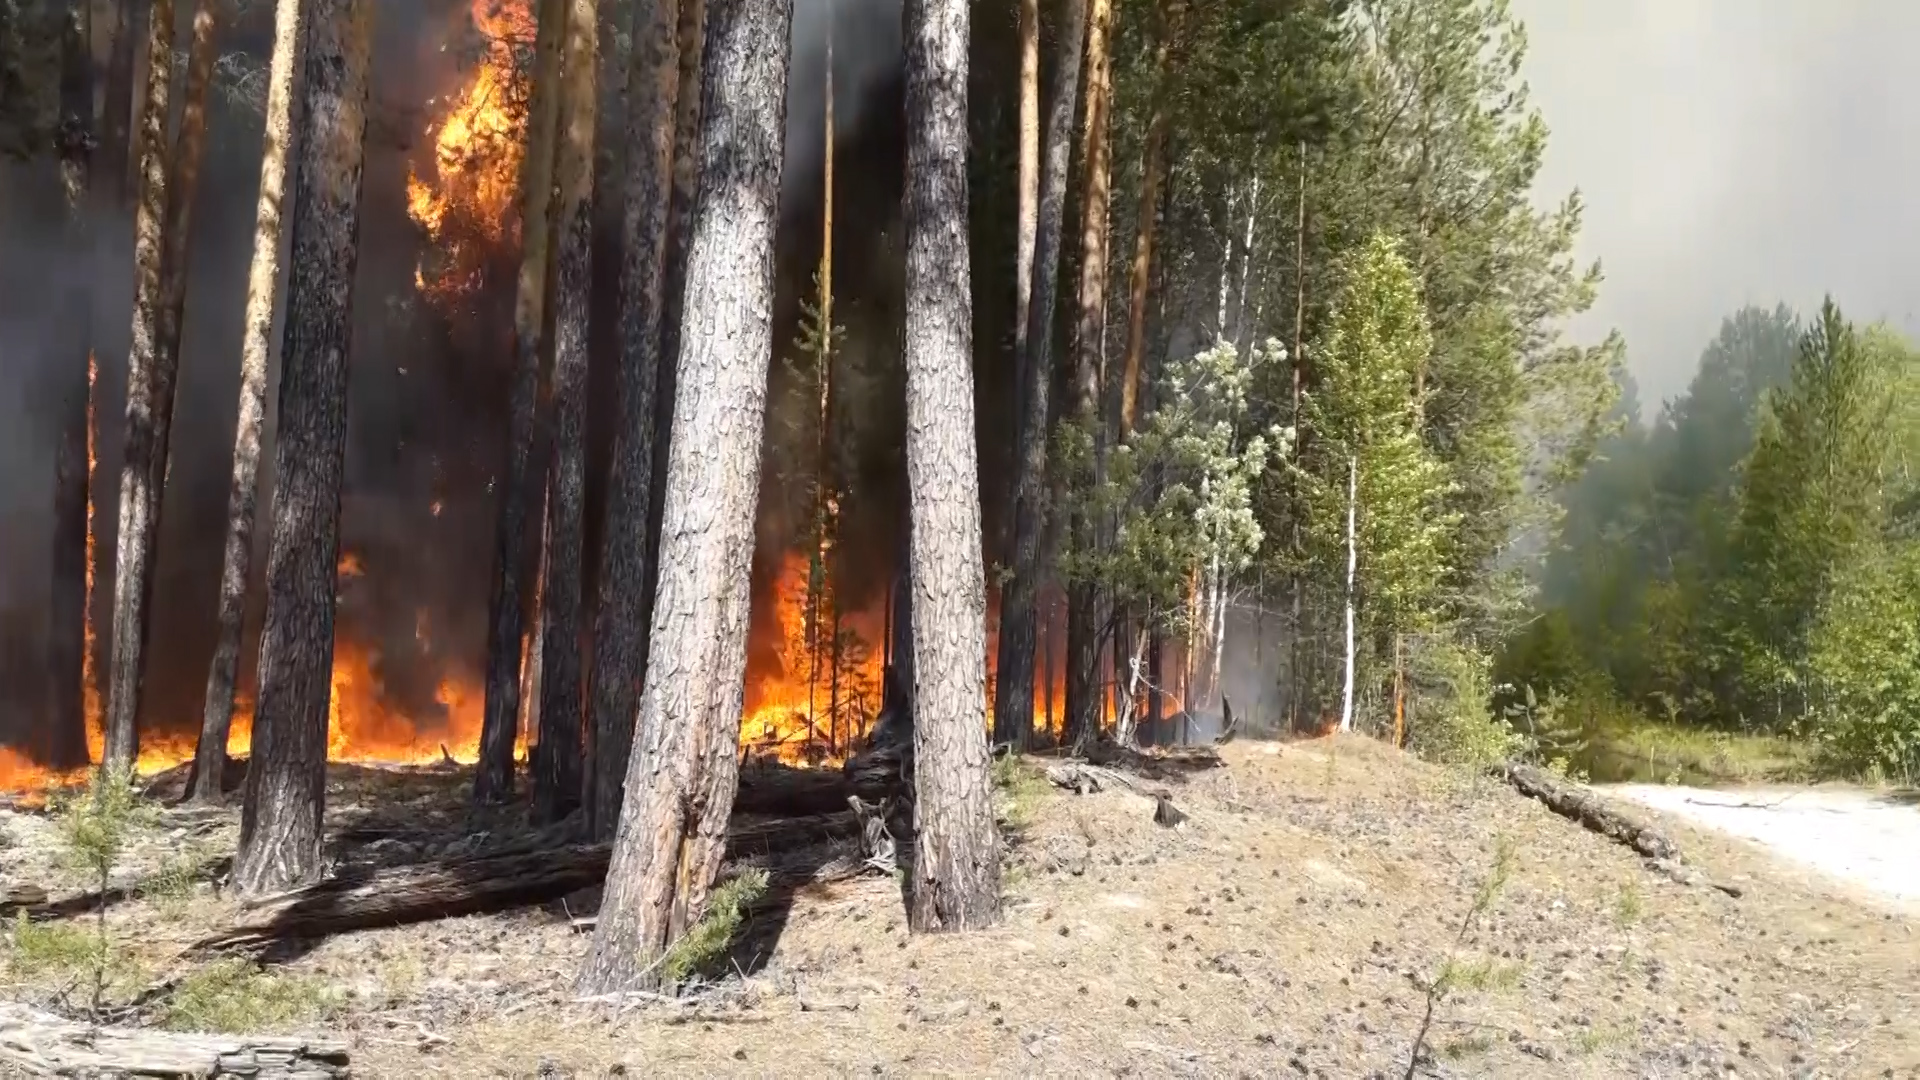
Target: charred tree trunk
(148,402)
(493,778)
(263,278)
(116,121)
(619,630)
(558,784)
(956,866)
(1085,607)
(286,778)
(1019,597)
(66,742)
(673,822)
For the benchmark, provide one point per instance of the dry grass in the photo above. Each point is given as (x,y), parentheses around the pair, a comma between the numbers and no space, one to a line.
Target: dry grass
(1291,927)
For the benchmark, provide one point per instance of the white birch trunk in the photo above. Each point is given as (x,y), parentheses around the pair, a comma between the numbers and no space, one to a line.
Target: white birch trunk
(1353,491)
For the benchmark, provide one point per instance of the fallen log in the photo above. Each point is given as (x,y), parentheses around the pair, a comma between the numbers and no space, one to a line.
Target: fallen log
(1582,805)
(1578,803)
(394,896)
(41,1044)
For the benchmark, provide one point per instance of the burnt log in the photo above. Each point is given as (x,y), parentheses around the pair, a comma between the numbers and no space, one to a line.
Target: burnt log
(422,892)
(41,1044)
(1578,803)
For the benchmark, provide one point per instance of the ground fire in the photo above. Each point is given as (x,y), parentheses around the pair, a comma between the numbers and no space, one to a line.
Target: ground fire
(813,684)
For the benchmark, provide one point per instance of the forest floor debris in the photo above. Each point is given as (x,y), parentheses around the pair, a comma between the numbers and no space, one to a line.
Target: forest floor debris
(1294,924)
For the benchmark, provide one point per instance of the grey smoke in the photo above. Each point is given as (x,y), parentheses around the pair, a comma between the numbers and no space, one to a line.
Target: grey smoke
(866,52)
(1731,152)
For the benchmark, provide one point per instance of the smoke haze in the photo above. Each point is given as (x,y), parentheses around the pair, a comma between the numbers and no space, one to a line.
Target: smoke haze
(1731,152)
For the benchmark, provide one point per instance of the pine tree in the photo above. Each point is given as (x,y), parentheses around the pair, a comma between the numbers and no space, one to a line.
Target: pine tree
(672,830)
(149,406)
(263,279)
(956,867)
(1087,607)
(1019,622)
(557,781)
(619,626)
(506,619)
(280,831)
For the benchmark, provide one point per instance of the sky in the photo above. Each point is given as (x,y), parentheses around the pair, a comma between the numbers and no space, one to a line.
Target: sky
(1732,152)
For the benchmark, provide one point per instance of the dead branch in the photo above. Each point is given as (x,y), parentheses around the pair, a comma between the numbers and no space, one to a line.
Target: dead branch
(42,1044)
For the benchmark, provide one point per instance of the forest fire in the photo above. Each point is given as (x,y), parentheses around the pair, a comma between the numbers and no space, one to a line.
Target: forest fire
(466,206)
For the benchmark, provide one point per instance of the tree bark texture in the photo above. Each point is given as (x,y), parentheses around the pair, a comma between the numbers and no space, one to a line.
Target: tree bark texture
(673,822)
(956,866)
(1152,169)
(286,777)
(1085,607)
(65,743)
(619,634)
(506,616)
(686,167)
(116,120)
(558,783)
(35,1043)
(263,278)
(1029,180)
(148,401)
(1019,597)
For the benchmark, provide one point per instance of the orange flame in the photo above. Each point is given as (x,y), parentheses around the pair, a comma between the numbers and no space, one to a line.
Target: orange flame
(468,206)
(89,675)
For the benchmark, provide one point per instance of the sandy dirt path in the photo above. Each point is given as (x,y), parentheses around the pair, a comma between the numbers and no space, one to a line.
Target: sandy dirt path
(1866,840)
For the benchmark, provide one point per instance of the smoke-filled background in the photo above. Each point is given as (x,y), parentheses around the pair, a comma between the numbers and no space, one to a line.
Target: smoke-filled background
(428,374)
(1731,152)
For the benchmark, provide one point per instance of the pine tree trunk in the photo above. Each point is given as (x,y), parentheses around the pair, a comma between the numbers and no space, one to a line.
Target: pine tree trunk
(1027,231)
(558,784)
(1019,596)
(1085,602)
(671,836)
(686,167)
(1172,16)
(619,631)
(956,865)
(148,402)
(506,618)
(263,278)
(66,743)
(116,121)
(286,788)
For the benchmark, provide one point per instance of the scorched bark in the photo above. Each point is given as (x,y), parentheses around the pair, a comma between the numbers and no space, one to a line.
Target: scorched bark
(286,779)
(149,401)
(209,758)
(672,831)
(557,784)
(620,623)
(1013,694)
(956,866)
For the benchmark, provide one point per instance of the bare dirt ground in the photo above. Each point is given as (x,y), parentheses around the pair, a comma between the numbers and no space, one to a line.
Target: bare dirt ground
(1290,927)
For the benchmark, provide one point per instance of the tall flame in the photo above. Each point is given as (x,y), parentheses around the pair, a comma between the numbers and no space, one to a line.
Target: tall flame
(468,205)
